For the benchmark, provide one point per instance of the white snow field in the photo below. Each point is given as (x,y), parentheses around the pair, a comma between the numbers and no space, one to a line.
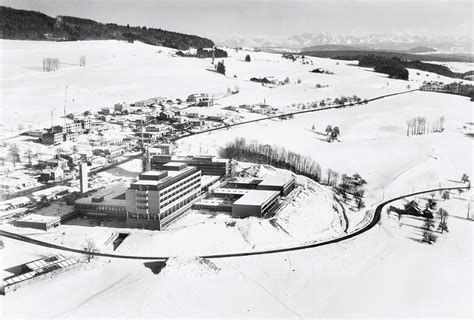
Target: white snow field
(385,272)
(118,71)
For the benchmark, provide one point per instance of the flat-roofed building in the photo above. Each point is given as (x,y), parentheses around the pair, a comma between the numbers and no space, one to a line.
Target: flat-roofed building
(281,183)
(107,203)
(47,217)
(159,197)
(209,165)
(255,203)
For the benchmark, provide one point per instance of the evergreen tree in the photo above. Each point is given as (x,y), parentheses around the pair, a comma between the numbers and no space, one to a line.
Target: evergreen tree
(221,67)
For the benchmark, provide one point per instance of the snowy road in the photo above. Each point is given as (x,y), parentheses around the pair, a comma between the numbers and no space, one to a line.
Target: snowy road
(375,219)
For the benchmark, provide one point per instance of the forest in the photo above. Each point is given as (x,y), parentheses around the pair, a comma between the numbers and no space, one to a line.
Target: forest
(31,25)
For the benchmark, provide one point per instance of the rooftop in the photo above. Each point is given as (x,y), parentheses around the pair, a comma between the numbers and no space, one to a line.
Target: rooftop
(112,196)
(256,197)
(48,214)
(231,191)
(170,178)
(274,180)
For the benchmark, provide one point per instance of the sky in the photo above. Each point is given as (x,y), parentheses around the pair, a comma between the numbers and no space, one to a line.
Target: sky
(272,19)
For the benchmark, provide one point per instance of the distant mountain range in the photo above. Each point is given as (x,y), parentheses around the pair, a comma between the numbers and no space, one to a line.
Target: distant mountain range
(325,41)
(31,25)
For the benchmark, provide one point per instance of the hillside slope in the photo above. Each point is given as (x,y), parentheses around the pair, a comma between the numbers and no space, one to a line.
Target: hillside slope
(31,25)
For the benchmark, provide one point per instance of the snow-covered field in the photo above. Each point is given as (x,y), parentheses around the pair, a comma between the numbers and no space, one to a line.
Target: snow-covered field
(385,272)
(118,71)
(373,141)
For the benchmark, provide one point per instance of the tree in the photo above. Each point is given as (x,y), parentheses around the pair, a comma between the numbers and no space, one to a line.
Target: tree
(465,178)
(443,216)
(14,154)
(335,133)
(221,67)
(445,195)
(328,130)
(90,250)
(29,154)
(82,61)
(360,203)
(431,204)
(247,58)
(287,80)
(313,127)
(429,237)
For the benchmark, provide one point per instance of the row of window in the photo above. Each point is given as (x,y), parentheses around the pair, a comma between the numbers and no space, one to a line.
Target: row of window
(176,185)
(180,189)
(181,204)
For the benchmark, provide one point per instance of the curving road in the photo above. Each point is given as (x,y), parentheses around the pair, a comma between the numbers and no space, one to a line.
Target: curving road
(373,222)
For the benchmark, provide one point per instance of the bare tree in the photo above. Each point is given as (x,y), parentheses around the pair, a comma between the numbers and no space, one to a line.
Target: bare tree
(51,64)
(90,250)
(82,61)
(29,154)
(428,235)
(14,154)
(443,216)
(445,195)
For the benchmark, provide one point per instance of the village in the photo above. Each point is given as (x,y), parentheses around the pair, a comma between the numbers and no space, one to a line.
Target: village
(155,154)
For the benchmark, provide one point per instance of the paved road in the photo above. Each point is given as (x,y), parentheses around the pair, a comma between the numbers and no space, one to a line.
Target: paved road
(289,114)
(373,222)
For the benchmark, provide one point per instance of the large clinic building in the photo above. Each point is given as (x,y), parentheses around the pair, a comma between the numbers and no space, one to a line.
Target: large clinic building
(159,197)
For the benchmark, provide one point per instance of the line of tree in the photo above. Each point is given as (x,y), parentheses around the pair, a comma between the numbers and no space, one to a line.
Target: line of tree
(419,125)
(51,64)
(205,53)
(31,25)
(371,59)
(349,100)
(458,88)
(253,151)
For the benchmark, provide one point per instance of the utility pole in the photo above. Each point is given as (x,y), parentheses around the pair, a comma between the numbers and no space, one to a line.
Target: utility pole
(65,102)
(468,207)
(52,119)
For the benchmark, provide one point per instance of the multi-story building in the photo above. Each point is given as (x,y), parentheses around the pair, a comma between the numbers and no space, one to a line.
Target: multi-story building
(84,123)
(71,136)
(72,126)
(159,197)
(209,165)
(53,138)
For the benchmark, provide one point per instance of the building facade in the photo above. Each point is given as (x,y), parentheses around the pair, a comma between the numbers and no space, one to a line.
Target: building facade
(209,165)
(159,197)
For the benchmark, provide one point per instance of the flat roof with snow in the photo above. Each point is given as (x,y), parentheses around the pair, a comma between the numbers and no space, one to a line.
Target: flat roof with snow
(274,180)
(256,197)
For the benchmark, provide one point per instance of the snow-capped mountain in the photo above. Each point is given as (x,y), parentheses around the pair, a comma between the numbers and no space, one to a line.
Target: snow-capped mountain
(326,41)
